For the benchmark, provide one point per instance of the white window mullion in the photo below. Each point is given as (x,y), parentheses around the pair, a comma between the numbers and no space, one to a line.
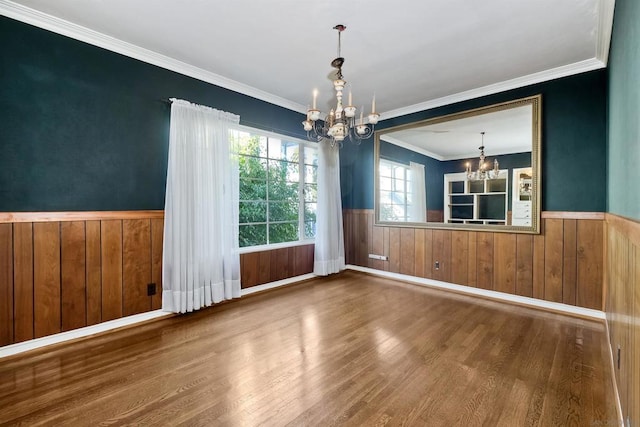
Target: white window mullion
(406,194)
(266,196)
(301,195)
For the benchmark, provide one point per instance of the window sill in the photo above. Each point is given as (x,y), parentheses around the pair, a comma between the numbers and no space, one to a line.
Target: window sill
(251,249)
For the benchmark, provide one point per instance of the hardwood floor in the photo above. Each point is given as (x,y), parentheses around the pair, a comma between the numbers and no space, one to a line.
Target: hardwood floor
(347,350)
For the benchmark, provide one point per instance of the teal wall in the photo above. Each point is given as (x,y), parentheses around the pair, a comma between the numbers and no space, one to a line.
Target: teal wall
(624,112)
(87,129)
(83,128)
(574,135)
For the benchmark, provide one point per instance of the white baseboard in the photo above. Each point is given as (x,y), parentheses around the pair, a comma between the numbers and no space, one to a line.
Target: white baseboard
(500,296)
(613,377)
(277,284)
(61,337)
(21,347)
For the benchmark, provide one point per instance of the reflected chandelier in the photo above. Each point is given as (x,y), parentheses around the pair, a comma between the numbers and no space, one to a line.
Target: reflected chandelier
(340,123)
(483,172)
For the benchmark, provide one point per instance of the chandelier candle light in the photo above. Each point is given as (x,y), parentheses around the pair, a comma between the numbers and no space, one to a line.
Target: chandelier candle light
(482,173)
(340,122)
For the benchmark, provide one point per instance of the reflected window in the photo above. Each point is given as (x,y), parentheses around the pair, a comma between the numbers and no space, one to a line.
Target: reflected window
(395,191)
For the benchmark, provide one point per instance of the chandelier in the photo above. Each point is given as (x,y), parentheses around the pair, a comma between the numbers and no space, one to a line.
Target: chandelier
(341,121)
(482,172)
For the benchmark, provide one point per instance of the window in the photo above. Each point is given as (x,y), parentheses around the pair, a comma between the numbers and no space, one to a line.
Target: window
(278,188)
(395,191)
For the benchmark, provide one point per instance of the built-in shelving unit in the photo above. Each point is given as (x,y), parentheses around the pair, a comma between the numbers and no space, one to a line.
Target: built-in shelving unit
(475,201)
(521,197)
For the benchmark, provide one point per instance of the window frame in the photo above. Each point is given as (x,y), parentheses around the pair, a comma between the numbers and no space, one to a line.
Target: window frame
(405,191)
(302,240)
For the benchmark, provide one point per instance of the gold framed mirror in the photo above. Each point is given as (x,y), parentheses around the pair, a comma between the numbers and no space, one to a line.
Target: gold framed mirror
(474,170)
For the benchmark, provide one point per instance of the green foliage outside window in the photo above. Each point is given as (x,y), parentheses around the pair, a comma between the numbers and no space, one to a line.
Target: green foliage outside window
(271,184)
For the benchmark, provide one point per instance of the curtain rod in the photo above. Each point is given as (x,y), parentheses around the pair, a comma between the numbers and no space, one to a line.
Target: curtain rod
(260,126)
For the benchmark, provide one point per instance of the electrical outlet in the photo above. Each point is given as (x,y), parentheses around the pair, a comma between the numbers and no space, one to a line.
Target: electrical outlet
(437,265)
(618,357)
(151,289)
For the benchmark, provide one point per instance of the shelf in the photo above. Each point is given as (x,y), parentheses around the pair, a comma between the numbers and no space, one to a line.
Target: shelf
(461,198)
(475,221)
(475,202)
(496,186)
(457,187)
(492,207)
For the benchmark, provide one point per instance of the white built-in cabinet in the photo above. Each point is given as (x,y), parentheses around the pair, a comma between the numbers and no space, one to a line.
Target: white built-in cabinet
(476,201)
(521,197)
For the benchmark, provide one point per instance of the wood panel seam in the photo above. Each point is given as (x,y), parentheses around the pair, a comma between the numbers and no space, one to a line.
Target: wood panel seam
(86,315)
(33,287)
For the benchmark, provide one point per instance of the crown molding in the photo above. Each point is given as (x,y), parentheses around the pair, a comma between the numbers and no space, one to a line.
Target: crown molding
(470,155)
(542,76)
(399,143)
(605,28)
(60,26)
(78,32)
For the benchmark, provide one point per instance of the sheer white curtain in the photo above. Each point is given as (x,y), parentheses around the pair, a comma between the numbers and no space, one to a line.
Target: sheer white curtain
(201,263)
(329,247)
(418,209)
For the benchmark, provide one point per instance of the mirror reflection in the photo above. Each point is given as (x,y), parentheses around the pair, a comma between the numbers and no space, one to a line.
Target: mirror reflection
(476,169)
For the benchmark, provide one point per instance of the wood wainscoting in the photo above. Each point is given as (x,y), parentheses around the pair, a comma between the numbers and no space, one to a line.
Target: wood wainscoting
(262,267)
(564,263)
(65,270)
(623,310)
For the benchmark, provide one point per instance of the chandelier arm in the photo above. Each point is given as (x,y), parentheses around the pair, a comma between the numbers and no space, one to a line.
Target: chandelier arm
(318,131)
(313,137)
(320,128)
(368,133)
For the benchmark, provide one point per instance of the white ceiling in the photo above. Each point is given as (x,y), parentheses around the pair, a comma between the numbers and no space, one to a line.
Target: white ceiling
(507,131)
(412,54)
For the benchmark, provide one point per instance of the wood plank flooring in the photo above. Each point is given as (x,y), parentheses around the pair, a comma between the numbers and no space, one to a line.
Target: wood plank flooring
(351,349)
